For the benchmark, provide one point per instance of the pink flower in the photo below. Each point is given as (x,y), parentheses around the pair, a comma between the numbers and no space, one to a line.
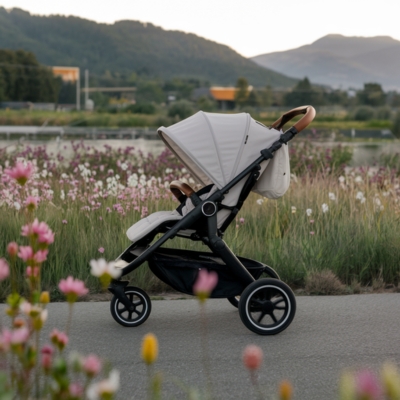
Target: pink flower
(12,249)
(241,220)
(40,256)
(64,221)
(4,269)
(101,249)
(5,340)
(312,233)
(60,339)
(20,336)
(31,202)
(21,172)
(75,390)
(47,353)
(252,357)
(205,283)
(367,386)
(92,365)
(25,252)
(72,288)
(40,231)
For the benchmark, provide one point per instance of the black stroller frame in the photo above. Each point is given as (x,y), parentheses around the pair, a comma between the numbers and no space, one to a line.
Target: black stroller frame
(266,306)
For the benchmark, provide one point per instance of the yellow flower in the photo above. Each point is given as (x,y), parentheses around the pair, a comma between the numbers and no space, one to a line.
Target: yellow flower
(149,349)
(44,298)
(391,381)
(285,390)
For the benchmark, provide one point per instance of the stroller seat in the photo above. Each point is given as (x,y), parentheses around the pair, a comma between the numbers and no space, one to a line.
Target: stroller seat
(150,223)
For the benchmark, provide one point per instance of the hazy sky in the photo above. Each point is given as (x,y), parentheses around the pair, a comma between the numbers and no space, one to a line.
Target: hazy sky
(250,27)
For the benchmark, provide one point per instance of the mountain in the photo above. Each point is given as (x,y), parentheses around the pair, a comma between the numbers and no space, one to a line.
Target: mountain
(341,61)
(127,47)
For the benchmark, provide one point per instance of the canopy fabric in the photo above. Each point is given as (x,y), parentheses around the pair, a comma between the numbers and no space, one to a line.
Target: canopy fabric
(217,147)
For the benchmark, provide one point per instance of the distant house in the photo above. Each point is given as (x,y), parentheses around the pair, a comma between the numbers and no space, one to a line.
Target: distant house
(224,96)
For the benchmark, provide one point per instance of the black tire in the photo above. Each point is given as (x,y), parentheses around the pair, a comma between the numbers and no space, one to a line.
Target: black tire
(267,306)
(268,271)
(141,311)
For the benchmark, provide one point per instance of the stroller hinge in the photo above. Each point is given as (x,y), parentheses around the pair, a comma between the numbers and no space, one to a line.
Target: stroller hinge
(267,154)
(118,289)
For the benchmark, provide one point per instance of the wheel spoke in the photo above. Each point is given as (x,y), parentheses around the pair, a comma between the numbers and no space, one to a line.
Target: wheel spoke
(122,310)
(280,307)
(278,301)
(273,317)
(130,314)
(262,315)
(137,303)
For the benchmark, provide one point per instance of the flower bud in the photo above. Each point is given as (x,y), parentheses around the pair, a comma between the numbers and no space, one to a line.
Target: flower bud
(149,349)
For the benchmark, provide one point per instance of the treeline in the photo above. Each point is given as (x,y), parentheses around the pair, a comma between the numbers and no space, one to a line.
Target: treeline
(22,78)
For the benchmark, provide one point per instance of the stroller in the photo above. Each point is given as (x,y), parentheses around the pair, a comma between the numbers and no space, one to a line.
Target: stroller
(231,155)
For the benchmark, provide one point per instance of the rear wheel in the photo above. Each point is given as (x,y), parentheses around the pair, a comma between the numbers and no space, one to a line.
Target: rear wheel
(140,311)
(267,306)
(267,273)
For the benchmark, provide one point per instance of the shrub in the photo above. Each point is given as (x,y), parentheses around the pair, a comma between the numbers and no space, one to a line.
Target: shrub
(324,282)
(364,113)
(181,109)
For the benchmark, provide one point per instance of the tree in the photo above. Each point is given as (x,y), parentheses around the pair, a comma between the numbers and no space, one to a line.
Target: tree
(304,93)
(150,91)
(242,91)
(372,95)
(2,84)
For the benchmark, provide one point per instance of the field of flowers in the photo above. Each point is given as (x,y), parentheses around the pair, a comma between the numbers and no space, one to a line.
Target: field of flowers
(334,218)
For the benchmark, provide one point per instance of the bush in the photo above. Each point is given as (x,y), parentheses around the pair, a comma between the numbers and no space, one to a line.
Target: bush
(364,113)
(141,108)
(181,109)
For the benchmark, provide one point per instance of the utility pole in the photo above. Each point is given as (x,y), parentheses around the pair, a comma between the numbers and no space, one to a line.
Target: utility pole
(78,90)
(86,88)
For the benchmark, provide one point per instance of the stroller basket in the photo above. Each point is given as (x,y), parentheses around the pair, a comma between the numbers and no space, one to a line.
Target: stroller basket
(179,269)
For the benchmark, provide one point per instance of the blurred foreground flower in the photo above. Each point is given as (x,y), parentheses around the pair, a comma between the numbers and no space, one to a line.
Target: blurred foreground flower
(104,270)
(4,269)
(149,349)
(21,172)
(252,357)
(205,283)
(285,390)
(72,288)
(104,389)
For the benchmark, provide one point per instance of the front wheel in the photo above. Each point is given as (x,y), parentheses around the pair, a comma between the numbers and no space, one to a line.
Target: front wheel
(267,306)
(137,314)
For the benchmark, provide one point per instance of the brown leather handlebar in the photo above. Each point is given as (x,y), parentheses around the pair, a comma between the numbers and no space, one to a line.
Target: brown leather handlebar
(309,114)
(178,187)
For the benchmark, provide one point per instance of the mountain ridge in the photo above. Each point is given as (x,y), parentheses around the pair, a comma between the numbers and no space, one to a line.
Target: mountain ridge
(341,61)
(127,47)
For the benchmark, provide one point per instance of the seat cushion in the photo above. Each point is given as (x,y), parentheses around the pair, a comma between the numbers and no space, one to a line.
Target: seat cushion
(148,224)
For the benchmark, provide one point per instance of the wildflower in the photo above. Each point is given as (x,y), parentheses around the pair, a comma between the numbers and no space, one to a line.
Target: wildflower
(308,212)
(31,203)
(64,221)
(359,195)
(17,206)
(59,339)
(241,220)
(101,250)
(25,253)
(311,221)
(12,249)
(325,208)
(252,357)
(341,179)
(149,348)
(32,272)
(358,179)
(367,386)
(21,172)
(104,389)
(260,201)
(19,336)
(312,233)
(40,256)
(391,380)
(4,269)
(47,352)
(294,209)
(39,231)
(332,196)
(75,390)
(44,297)
(72,288)
(285,390)
(205,283)
(104,271)
(91,365)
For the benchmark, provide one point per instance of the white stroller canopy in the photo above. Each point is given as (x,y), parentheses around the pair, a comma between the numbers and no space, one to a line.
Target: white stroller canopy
(217,147)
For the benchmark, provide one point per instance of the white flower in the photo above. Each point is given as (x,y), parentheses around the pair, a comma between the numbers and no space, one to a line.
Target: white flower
(359,196)
(325,208)
(184,170)
(101,267)
(105,387)
(168,171)
(341,179)
(293,177)
(62,195)
(124,166)
(294,210)
(309,212)
(385,194)
(358,179)
(377,201)
(260,201)
(17,205)
(332,196)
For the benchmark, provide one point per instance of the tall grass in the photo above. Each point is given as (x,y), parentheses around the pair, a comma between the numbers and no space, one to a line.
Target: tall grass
(90,200)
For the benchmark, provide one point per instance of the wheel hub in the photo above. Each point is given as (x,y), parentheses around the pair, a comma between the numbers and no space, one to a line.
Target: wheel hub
(268,307)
